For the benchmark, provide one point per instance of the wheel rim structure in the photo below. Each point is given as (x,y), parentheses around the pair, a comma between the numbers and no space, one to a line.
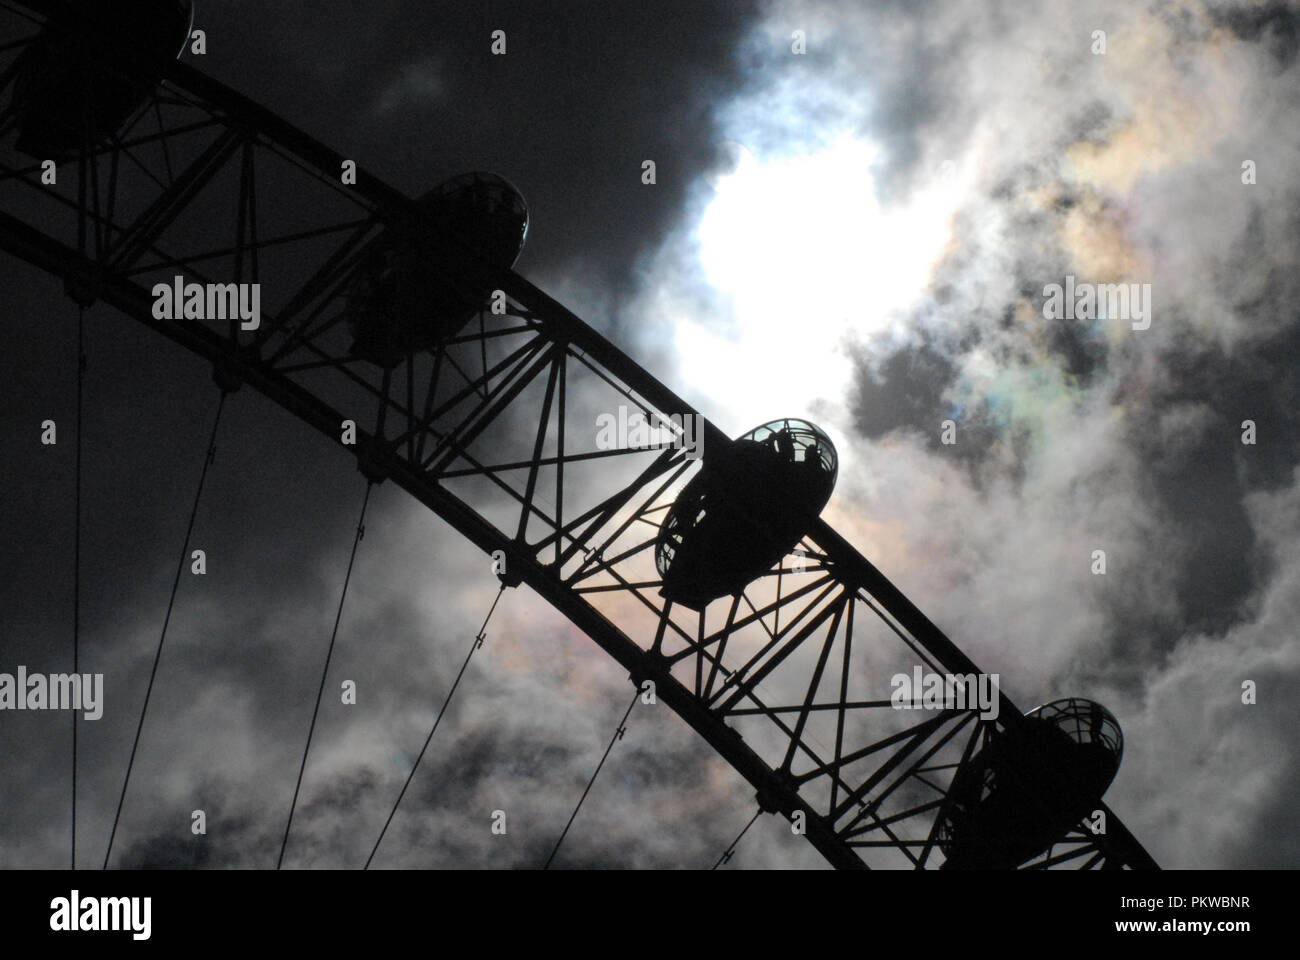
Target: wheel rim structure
(481,431)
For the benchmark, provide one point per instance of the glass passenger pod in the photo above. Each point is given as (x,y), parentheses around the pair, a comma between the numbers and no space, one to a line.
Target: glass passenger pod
(98,61)
(482,211)
(397,304)
(1092,728)
(1028,787)
(744,511)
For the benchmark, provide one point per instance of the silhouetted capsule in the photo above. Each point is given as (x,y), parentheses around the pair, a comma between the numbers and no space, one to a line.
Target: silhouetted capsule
(1029,786)
(482,211)
(407,296)
(746,509)
(91,69)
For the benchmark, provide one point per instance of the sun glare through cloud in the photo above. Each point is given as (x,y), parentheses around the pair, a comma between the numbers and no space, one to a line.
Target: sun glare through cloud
(809,261)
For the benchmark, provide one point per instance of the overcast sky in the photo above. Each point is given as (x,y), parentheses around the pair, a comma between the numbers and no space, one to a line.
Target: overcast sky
(860,234)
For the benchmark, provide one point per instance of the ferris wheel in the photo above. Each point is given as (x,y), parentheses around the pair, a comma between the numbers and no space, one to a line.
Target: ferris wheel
(397,328)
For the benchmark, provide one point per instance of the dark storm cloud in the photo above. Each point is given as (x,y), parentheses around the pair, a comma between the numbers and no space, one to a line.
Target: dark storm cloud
(909,391)
(180,847)
(1202,483)
(446,818)
(1198,483)
(585,93)
(1275,25)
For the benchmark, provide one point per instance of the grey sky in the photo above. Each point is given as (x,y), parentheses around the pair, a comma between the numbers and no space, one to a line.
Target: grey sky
(1072,437)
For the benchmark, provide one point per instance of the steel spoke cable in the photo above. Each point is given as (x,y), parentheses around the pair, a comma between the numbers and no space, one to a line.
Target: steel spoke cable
(76,569)
(731,850)
(76,536)
(478,642)
(618,735)
(329,653)
(208,457)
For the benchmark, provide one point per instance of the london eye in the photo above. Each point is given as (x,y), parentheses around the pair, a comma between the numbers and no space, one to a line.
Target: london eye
(396,328)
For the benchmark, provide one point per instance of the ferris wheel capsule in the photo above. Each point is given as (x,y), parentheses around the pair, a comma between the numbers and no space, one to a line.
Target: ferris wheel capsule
(484,212)
(1030,785)
(398,303)
(92,68)
(744,511)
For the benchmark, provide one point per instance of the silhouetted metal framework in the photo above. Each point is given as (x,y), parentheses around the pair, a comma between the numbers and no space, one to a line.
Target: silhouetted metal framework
(494,432)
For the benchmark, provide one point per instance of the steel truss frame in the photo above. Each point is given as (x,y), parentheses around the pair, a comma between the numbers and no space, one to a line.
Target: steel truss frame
(493,431)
